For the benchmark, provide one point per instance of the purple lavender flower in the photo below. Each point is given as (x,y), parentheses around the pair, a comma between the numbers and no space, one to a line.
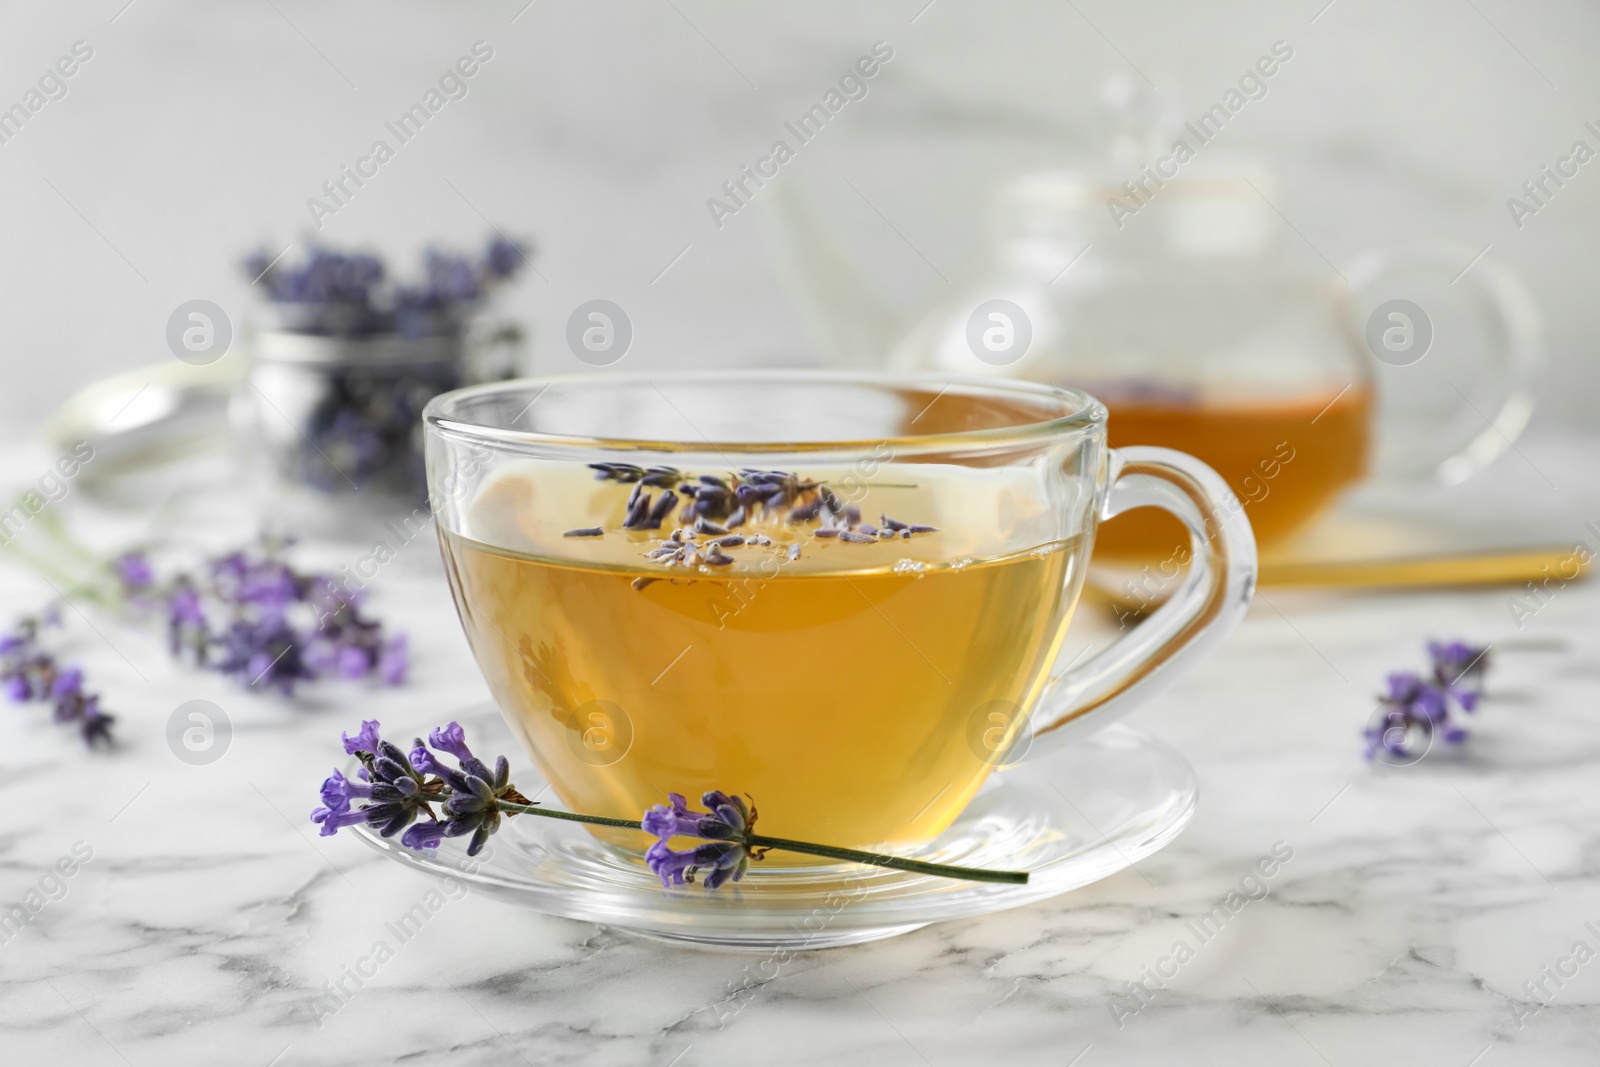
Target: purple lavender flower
(397,794)
(333,821)
(29,672)
(475,810)
(67,684)
(186,621)
(451,738)
(134,570)
(338,791)
(1460,669)
(402,787)
(347,294)
(425,761)
(94,724)
(1409,715)
(427,834)
(394,660)
(503,258)
(725,855)
(365,740)
(1416,708)
(282,626)
(352,662)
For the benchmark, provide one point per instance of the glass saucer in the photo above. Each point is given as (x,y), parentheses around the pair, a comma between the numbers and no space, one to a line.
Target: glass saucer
(1070,818)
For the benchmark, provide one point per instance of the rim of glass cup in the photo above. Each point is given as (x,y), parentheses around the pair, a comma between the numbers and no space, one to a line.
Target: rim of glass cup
(1085,413)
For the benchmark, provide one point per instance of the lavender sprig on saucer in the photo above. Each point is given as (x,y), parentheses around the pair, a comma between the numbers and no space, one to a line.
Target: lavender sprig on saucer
(401,790)
(29,672)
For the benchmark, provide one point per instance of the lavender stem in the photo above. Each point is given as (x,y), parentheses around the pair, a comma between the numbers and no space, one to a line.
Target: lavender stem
(874,859)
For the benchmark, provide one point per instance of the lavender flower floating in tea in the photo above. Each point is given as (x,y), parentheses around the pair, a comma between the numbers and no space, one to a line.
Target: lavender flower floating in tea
(399,790)
(715,506)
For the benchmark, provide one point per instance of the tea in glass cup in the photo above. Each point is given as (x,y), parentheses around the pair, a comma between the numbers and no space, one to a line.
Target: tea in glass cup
(841,596)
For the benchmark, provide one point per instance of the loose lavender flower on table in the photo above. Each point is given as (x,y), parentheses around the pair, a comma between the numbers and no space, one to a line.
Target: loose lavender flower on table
(1416,708)
(400,790)
(250,615)
(29,672)
(1460,668)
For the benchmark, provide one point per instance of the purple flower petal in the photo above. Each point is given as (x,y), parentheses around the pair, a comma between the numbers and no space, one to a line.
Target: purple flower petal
(451,738)
(366,740)
(394,662)
(333,821)
(352,662)
(424,835)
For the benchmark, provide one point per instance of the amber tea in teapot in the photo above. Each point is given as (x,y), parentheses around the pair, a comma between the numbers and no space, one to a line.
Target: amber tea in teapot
(1287,459)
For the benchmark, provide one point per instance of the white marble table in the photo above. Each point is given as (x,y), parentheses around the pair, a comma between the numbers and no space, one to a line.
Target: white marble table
(1416,905)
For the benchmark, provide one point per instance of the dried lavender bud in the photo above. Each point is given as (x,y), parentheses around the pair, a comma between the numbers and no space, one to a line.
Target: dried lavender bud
(663,508)
(830,500)
(730,541)
(857,538)
(794,551)
(894,524)
(642,581)
(918,528)
(661,477)
(761,539)
(638,512)
(687,514)
(712,479)
(886,535)
(617,472)
(805,512)
(905,535)
(706,526)
(664,551)
(827,531)
(715,558)
(585,531)
(737,518)
(852,515)
(868,529)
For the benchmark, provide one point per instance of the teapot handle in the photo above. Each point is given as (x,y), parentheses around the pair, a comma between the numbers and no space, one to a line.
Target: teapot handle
(1399,334)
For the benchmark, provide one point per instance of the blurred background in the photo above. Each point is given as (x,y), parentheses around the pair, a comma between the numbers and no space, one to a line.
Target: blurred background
(198,131)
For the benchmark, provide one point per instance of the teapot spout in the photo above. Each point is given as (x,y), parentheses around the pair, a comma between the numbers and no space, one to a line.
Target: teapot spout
(855,325)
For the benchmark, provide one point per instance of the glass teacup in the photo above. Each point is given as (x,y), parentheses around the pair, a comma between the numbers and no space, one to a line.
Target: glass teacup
(842,595)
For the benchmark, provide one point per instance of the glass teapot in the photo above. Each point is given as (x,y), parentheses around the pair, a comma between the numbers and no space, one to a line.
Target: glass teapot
(1205,321)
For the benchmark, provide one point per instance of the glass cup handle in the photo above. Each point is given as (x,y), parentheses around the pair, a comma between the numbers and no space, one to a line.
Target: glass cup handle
(1212,599)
